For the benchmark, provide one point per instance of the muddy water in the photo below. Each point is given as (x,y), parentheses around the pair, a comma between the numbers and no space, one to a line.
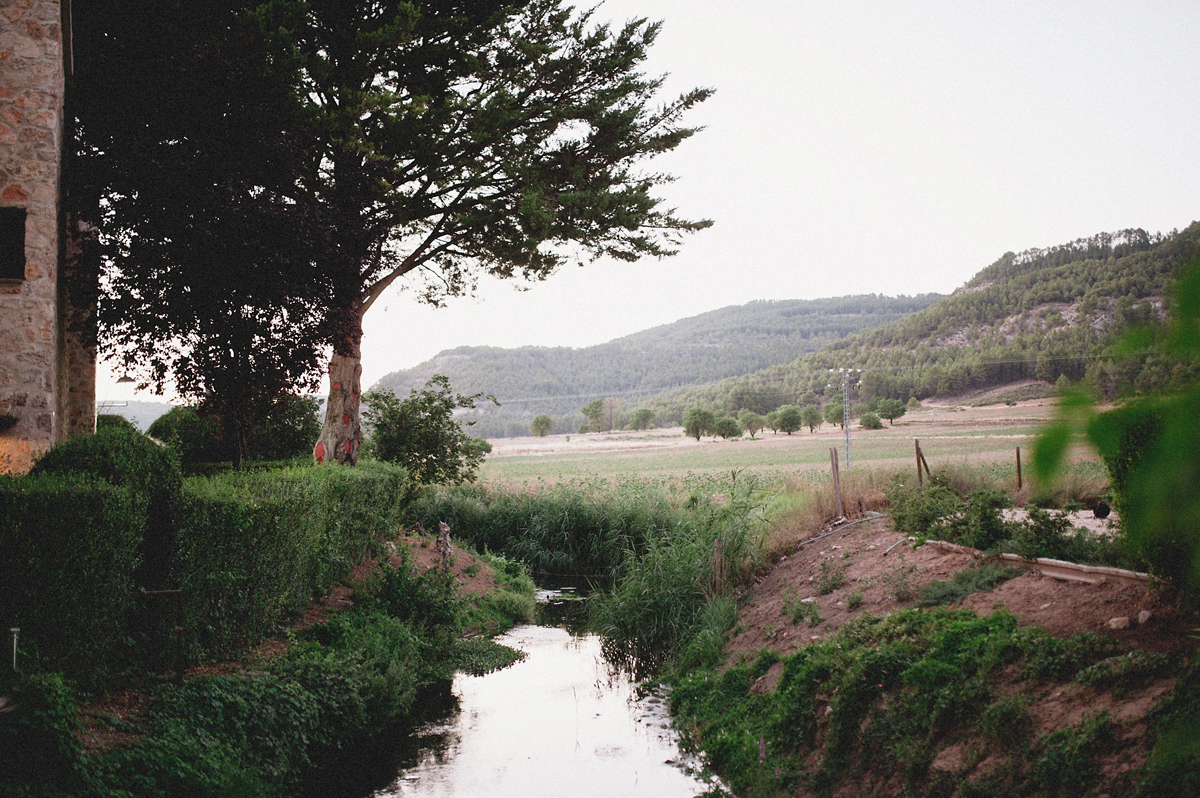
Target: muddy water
(560,723)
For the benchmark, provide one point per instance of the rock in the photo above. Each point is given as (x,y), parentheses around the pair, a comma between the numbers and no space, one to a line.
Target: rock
(1143,617)
(1046,606)
(1118,623)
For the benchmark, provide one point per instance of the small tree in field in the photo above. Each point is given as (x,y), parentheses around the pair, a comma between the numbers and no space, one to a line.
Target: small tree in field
(420,432)
(791,418)
(697,422)
(771,421)
(594,410)
(727,428)
(811,414)
(541,426)
(643,417)
(891,409)
(751,422)
(835,411)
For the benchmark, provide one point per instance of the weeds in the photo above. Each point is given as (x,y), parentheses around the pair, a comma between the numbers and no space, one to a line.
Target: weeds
(854,600)
(1067,763)
(899,580)
(798,609)
(964,583)
(831,578)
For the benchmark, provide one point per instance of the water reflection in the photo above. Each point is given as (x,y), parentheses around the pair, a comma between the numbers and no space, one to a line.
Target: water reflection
(561,723)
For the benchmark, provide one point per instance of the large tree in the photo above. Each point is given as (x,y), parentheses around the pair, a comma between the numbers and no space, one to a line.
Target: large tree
(461,138)
(190,155)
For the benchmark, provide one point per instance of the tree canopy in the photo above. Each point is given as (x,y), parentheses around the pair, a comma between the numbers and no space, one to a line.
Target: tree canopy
(328,148)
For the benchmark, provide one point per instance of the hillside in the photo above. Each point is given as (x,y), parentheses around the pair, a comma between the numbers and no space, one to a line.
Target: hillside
(702,349)
(1037,315)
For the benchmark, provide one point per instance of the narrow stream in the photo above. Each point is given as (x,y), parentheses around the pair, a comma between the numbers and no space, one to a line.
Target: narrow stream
(561,723)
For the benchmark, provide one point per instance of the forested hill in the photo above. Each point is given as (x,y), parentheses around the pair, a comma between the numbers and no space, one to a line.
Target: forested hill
(702,349)
(1046,314)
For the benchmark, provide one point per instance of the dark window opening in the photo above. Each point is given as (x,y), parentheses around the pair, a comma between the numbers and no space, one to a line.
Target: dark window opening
(12,243)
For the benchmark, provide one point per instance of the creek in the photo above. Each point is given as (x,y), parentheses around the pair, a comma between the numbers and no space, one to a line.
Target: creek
(563,722)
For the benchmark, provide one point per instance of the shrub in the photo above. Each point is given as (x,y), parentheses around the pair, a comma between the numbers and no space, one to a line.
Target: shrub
(68,554)
(134,462)
(869,420)
(111,421)
(195,438)
(41,750)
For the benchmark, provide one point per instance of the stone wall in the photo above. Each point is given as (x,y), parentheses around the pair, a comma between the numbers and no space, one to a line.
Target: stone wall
(31,100)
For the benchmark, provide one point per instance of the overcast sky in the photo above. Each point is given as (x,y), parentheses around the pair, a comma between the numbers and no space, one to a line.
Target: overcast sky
(865,147)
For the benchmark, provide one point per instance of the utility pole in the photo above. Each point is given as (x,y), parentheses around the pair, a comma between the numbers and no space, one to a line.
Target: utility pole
(846,407)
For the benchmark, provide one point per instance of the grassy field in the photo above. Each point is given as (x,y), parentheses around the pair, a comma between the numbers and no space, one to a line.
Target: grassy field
(949,435)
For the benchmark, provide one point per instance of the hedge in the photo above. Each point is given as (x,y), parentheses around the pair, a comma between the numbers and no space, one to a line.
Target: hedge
(68,553)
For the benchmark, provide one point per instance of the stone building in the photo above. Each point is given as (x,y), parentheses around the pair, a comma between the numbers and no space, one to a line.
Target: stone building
(47,298)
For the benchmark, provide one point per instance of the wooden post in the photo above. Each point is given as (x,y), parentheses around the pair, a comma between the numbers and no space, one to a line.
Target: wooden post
(837,482)
(920,476)
(1018,468)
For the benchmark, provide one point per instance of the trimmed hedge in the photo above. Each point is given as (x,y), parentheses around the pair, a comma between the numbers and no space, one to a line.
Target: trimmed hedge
(254,547)
(150,472)
(68,554)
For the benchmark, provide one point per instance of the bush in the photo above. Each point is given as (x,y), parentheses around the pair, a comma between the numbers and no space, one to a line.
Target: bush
(41,750)
(195,438)
(68,555)
(111,421)
(420,432)
(870,421)
(134,462)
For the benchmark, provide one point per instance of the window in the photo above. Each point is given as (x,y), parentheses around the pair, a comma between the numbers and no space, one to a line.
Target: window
(12,243)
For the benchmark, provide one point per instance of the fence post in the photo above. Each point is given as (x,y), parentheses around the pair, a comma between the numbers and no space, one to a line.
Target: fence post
(920,476)
(1018,468)
(837,482)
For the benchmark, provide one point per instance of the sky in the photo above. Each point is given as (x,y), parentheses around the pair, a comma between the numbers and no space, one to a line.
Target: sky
(863,147)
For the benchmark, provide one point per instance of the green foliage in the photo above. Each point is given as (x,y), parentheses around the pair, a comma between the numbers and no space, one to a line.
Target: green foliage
(195,439)
(869,420)
(38,738)
(831,578)
(594,412)
(1066,764)
(812,417)
(789,418)
(881,698)
(134,462)
(727,428)
(891,409)
(111,421)
(421,433)
(698,422)
(541,426)
(964,583)
(254,547)
(661,598)
(68,555)
(797,610)
(834,412)
(289,430)
(1152,449)
(751,422)
(643,418)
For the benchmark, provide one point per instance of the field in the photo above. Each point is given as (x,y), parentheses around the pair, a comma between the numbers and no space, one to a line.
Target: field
(949,434)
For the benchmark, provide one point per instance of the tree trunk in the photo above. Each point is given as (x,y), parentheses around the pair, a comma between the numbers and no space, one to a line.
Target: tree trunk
(341,434)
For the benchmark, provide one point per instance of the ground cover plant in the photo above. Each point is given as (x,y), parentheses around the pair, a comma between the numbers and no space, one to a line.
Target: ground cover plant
(272,730)
(878,702)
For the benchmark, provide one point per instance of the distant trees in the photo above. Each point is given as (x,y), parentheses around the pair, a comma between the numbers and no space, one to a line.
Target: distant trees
(541,426)
(751,422)
(790,418)
(835,411)
(643,418)
(594,411)
(612,412)
(698,422)
(812,417)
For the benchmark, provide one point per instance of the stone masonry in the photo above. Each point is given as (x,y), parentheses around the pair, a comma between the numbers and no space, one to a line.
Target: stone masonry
(43,397)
